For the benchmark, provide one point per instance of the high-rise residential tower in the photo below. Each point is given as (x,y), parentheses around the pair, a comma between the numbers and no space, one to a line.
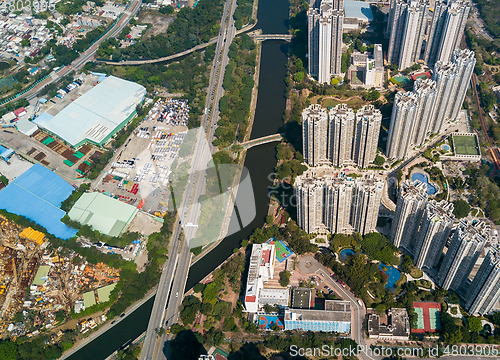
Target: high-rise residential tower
(463,252)
(340,135)
(395,27)
(412,199)
(452,80)
(413,34)
(446,29)
(365,204)
(484,291)
(368,120)
(401,127)
(434,231)
(329,203)
(453,28)
(425,90)
(325,26)
(314,134)
(432,102)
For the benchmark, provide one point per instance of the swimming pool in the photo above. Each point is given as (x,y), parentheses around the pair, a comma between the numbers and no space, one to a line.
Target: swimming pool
(393,274)
(431,190)
(344,254)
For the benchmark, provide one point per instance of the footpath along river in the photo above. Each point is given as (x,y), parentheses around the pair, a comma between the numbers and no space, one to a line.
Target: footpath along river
(260,162)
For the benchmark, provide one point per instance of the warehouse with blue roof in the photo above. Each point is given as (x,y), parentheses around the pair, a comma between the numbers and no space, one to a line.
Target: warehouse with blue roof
(37,194)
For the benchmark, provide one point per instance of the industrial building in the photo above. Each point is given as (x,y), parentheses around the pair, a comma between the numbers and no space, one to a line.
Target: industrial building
(97,115)
(107,215)
(37,194)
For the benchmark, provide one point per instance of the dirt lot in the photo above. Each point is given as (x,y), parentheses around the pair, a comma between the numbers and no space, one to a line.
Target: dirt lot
(159,21)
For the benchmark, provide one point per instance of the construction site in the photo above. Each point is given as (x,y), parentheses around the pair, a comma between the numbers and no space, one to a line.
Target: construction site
(36,282)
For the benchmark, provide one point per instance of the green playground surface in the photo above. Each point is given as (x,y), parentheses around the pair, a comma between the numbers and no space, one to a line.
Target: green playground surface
(282,252)
(420,318)
(465,145)
(434,319)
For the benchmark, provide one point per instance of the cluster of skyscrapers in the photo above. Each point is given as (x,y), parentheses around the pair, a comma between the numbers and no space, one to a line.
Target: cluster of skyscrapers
(422,228)
(329,203)
(340,137)
(325,26)
(412,38)
(432,103)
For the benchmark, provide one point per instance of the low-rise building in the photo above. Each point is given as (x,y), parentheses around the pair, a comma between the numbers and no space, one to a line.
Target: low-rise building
(397,327)
(336,318)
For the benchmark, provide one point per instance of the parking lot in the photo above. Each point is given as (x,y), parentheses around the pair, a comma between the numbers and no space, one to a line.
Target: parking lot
(139,171)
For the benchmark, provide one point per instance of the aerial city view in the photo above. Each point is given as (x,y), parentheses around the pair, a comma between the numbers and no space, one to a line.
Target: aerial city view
(249,180)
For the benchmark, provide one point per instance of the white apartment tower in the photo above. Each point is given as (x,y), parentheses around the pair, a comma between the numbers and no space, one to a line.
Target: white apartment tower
(432,102)
(365,204)
(456,18)
(395,27)
(314,134)
(425,89)
(445,31)
(401,127)
(340,135)
(325,26)
(368,120)
(465,247)
(413,34)
(329,203)
(410,207)
(484,292)
(434,231)
(452,80)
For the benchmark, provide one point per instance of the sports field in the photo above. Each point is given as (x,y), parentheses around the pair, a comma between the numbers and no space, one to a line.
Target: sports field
(427,316)
(282,251)
(465,145)
(267,321)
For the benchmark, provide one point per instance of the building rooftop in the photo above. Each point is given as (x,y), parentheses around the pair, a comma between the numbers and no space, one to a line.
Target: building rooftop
(358,9)
(398,324)
(98,114)
(318,315)
(301,298)
(105,214)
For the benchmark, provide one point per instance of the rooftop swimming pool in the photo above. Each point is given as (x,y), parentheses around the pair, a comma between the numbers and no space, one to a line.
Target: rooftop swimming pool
(431,189)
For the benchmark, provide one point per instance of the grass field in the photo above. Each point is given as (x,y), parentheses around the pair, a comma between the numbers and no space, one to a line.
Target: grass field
(353,103)
(465,145)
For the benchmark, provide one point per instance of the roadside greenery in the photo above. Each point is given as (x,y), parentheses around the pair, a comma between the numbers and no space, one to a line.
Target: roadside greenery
(485,192)
(67,204)
(191,27)
(238,83)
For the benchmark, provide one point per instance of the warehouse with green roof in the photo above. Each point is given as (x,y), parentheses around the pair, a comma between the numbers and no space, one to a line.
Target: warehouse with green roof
(103,213)
(96,116)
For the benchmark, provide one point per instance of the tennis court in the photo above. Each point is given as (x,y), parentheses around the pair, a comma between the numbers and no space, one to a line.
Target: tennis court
(465,145)
(267,321)
(219,354)
(434,319)
(282,251)
(427,316)
(420,318)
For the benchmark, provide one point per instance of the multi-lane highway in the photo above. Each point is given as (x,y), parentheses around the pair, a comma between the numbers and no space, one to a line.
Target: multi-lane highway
(175,271)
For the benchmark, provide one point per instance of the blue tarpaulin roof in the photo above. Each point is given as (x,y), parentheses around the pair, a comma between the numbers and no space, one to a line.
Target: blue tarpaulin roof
(6,153)
(37,194)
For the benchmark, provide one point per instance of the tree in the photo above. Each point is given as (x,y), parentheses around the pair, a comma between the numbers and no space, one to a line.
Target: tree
(167,10)
(372,95)
(269,220)
(25,42)
(299,76)
(380,308)
(453,297)
(285,278)
(379,160)
(461,208)
(407,264)
(8,350)
(198,288)
(474,324)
